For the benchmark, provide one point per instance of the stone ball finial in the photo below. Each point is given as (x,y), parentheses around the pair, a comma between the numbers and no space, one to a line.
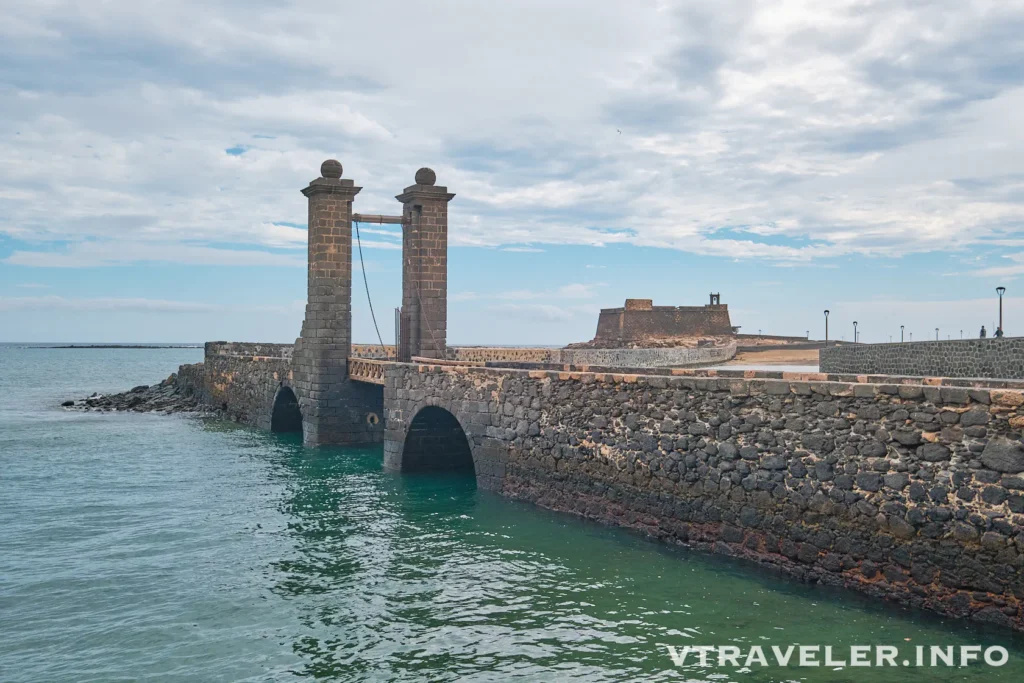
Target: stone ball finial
(425,176)
(331,169)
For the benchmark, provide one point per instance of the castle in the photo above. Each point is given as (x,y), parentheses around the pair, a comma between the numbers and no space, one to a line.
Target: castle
(641,320)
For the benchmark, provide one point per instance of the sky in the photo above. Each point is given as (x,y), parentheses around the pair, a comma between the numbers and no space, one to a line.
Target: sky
(858,156)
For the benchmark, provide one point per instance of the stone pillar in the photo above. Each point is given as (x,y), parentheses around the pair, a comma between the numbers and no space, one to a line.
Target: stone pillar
(424,267)
(334,410)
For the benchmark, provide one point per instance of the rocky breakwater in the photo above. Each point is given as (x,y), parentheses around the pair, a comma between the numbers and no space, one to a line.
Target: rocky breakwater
(179,393)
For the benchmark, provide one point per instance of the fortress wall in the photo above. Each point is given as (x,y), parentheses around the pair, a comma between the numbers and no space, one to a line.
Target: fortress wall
(631,358)
(658,322)
(956,358)
(909,492)
(648,358)
(609,324)
(510,354)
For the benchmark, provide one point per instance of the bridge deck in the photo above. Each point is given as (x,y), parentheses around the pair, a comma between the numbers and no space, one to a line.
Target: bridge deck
(372,371)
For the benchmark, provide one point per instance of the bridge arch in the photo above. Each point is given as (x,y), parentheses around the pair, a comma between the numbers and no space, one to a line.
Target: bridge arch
(436,442)
(285,415)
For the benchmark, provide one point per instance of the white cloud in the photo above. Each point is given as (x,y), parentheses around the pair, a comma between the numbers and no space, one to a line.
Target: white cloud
(1010,271)
(60,303)
(570,291)
(109,252)
(542,312)
(745,129)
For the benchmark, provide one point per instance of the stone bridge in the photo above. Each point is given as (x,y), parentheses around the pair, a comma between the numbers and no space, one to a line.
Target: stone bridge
(907,488)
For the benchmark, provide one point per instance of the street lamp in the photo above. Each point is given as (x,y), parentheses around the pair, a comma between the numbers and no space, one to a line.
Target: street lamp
(826,326)
(854,331)
(936,334)
(1000,291)
(901,334)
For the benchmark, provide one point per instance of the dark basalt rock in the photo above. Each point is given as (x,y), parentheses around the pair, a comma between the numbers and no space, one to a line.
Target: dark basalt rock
(1003,455)
(169,396)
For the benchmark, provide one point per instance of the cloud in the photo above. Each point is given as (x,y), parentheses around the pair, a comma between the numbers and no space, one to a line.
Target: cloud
(570,291)
(32,285)
(60,303)
(745,129)
(542,312)
(1011,271)
(110,253)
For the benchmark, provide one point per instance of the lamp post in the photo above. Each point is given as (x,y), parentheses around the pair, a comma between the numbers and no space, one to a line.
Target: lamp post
(854,331)
(826,326)
(1000,291)
(936,334)
(901,334)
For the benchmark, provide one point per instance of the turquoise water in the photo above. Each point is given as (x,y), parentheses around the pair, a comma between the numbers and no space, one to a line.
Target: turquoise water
(156,548)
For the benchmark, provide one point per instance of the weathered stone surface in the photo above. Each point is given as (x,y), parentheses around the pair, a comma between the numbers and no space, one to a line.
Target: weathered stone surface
(933,452)
(1003,455)
(182,392)
(992,357)
(640,319)
(977,416)
(913,506)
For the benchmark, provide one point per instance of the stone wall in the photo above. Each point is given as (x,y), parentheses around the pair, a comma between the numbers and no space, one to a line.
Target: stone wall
(483,354)
(956,358)
(648,358)
(910,492)
(243,379)
(190,381)
(622,358)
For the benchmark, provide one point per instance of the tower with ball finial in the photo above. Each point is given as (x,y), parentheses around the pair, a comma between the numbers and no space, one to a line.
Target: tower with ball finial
(424,319)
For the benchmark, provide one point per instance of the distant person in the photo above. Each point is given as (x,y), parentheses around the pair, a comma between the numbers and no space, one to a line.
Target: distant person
(983,333)
(999,332)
